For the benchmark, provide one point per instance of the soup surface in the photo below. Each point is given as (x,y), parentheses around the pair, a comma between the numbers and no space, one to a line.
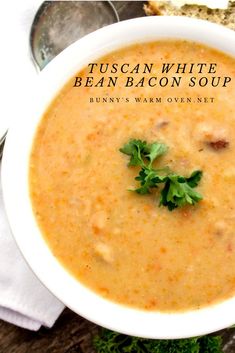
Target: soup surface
(116,242)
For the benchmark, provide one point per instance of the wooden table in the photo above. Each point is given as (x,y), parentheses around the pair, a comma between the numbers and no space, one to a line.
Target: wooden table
(71,333)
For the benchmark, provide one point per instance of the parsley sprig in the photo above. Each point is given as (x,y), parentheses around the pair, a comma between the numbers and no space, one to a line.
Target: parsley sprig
(177,190)
(139,151)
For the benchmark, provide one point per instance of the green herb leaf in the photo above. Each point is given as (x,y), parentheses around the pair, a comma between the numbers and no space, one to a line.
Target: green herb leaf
(194,178)
(134,149)
(149,178)
(209,344)
(177,191)
(113,342)
(154,150)
(140,150)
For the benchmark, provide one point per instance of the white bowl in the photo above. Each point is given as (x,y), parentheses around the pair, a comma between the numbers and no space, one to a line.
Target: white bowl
(16,187)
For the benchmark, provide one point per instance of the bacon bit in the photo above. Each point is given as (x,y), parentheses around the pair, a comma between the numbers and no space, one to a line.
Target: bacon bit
(186,213)
(230,247)
(218,145)
(162,124)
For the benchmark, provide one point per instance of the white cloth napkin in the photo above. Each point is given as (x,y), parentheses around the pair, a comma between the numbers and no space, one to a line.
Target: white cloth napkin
(24,301)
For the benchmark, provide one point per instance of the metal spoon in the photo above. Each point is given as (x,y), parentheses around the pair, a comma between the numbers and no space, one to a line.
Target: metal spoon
(57,24)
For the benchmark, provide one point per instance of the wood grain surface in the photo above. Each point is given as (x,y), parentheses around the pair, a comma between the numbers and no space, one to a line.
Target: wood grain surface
(71,333)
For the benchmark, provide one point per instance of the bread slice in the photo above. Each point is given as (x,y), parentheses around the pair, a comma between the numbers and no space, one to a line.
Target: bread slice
(165,8)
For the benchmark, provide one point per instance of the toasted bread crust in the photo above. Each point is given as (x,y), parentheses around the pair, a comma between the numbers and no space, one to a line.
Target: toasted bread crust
(224,17)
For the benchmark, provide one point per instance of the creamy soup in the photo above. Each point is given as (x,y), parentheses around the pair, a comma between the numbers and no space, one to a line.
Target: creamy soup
(118,243)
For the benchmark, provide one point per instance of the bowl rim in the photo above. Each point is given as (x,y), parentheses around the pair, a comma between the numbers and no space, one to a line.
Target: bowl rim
(15,165)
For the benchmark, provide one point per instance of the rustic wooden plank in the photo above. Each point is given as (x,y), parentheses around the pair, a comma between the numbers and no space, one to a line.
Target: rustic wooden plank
(70,334)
